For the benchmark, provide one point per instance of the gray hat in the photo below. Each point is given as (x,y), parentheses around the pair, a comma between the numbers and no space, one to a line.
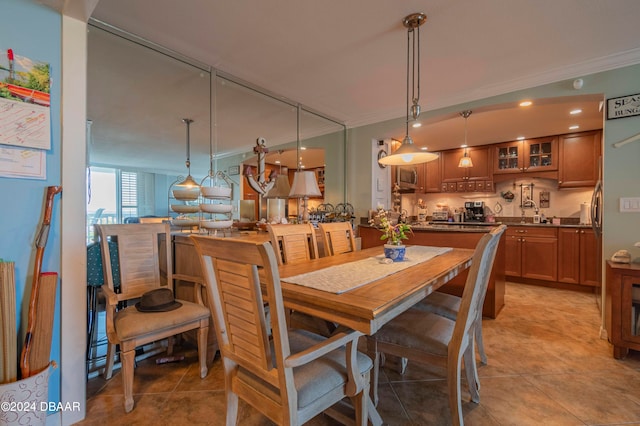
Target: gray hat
(158,300)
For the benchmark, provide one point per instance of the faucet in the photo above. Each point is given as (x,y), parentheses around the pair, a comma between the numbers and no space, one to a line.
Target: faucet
(524,204)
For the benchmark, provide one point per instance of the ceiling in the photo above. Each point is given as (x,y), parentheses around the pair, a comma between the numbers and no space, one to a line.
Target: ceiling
(348,61)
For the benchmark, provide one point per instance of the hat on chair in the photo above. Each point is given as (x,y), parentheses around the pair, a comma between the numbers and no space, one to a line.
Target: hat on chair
(158,300)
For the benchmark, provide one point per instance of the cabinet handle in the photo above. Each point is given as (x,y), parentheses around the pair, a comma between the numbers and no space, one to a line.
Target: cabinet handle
(577,231)
(582,232)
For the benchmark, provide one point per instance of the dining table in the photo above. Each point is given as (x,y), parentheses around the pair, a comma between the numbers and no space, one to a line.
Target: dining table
(370,306)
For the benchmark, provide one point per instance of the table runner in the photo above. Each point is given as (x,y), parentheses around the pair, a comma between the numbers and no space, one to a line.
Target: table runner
(348,276)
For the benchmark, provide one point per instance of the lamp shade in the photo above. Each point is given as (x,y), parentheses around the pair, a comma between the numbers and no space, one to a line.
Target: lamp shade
(281,189)
(465,160)
(407,153)
(305,185)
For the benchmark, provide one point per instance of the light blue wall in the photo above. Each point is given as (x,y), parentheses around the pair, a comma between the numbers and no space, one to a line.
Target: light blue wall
(22,200)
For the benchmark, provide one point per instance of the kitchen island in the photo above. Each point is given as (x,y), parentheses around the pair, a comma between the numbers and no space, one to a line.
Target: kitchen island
(462,235)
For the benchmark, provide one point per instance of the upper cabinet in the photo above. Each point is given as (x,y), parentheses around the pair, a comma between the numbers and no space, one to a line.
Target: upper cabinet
(579,159)
(527,156)
(430,178)
(461,179)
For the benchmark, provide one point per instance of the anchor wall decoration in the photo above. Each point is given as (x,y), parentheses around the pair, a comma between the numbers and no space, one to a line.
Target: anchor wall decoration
(259,183)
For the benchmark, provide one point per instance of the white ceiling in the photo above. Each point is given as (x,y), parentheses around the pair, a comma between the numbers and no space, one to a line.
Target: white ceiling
(347,59)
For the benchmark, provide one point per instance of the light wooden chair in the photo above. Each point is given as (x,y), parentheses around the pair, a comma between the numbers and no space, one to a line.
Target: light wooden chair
(142,264)
(433,339)
(293,243)
(337,237)
(298,374)
(448,305)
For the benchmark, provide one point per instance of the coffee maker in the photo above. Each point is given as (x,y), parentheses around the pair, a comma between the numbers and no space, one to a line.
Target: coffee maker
(474,211)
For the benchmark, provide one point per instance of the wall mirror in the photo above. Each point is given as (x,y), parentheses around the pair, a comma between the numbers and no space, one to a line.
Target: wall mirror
(138,94)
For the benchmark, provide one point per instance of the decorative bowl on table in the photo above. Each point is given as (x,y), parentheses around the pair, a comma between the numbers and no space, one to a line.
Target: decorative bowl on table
(216,208)
(183,208)
(216,191)
(188,194)
(216,224)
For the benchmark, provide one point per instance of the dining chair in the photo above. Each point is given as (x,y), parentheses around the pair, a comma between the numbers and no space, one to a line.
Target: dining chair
(425,337)
(337,237)
(294,244)
(297,374)
(448,305)
(144,257)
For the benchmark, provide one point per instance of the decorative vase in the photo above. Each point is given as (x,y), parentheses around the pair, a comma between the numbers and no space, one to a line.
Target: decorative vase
(395,252)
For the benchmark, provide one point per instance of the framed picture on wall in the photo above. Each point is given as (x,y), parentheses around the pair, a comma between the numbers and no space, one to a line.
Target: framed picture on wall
(624,106)
(234,170)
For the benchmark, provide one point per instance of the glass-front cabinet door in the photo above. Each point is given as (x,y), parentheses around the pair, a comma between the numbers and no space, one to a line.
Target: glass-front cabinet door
(508,158)
(541,154)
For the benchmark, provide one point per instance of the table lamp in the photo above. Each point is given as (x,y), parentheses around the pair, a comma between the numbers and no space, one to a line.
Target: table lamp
(277,199)
(305,186)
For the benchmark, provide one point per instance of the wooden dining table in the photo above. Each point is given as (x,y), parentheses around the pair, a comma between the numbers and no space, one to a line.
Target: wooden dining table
(369,307)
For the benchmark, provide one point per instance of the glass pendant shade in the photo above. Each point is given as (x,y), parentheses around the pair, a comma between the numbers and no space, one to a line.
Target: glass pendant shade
(465,161)
(407,154)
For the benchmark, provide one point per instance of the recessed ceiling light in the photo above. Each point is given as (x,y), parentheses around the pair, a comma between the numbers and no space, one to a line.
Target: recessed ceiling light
(575,111)
(575,126)
(520,138)
(464,145)
(424,148)
(416,124)
(277,161)
(302,166)
(302,148)
(526,103)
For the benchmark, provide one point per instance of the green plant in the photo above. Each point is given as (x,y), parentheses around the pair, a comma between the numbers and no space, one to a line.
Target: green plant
(394,234)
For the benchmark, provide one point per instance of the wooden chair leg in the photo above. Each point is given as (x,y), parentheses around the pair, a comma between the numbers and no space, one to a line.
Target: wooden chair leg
(472,373)
(203,331)
(128,358)
(360,402)
(480,341)
(111,355)
(453,383)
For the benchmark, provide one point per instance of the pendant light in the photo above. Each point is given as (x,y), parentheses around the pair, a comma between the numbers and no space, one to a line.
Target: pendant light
(465,161)
(407,153)
(189,181)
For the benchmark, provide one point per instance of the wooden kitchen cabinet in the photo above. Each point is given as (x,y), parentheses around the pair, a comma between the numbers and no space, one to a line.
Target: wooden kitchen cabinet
(471,179)
(527,156)
(579,159)
(538,252)
(622,307)
(579,260)
(430,178)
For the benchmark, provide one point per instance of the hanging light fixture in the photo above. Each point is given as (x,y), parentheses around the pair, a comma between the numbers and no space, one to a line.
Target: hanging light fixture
(407,153)
(189,181)
(465,161)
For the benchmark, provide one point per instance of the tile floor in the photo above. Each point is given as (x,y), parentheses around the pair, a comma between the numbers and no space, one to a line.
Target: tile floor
(547,366)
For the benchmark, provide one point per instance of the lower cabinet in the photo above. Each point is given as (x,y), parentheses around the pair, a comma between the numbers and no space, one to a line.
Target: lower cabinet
(622,307)
(532,252)
(579,259)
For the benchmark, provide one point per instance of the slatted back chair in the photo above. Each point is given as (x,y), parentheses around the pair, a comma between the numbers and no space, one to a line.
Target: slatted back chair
(144,266)
(297,374)
(337,238)
(293,243)
(433,339)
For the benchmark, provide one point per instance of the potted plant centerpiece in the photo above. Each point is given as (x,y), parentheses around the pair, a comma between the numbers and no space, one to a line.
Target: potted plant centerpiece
(394,234)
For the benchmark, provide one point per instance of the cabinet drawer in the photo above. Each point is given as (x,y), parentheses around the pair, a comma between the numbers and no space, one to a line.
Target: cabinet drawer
(532,231)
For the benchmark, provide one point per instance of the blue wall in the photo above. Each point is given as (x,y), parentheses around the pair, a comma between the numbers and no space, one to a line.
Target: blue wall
(33,31)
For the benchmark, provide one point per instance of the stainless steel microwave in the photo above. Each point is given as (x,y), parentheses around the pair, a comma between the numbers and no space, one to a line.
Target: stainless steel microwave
(407,177)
